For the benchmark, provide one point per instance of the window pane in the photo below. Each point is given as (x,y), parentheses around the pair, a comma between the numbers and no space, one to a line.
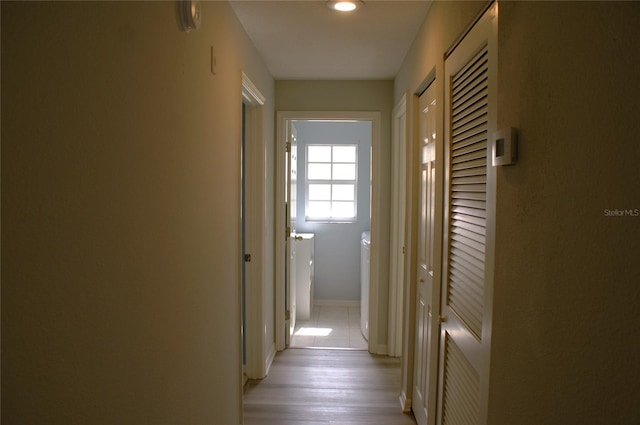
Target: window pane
(343,192)
(319,209)
(344,154)
(331,182)
(319,153)
(320,192)
(342,209)
(319,172)
(344,171)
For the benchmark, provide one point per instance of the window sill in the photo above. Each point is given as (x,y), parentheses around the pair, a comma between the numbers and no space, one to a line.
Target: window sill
(330,221)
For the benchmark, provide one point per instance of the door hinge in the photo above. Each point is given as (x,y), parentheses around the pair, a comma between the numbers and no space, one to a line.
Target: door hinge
(288,147)
(288,232)
(247,258)
(403,250)
(287,315)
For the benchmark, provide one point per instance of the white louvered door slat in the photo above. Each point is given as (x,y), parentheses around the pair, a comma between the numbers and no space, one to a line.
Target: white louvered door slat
(473,156)
(468,226)
(461,402)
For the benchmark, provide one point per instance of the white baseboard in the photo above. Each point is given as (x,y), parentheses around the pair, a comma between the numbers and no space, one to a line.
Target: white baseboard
(381,349)
(337,303)
(245,378)
(271,354)
(405,402)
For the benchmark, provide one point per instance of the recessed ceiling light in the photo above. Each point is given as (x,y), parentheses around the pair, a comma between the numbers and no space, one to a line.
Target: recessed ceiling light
(344,5)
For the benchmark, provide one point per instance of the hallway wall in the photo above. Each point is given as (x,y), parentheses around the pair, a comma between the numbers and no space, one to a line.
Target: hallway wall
(566,331)
(565,327)
(318,95)
(121,212)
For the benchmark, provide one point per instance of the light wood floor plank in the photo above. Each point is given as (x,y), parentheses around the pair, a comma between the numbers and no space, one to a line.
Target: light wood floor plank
(327,387)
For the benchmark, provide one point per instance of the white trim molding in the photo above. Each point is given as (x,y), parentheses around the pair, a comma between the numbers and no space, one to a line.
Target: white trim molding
(255,231)
(250,92)
(271,354)
(405,402)
(397,257)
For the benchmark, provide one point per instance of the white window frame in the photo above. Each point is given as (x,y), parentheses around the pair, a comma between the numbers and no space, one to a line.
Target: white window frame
(331,182)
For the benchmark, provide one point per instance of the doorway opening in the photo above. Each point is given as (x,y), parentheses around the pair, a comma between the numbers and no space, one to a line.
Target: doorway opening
(330,212)
(257,345)
(332,203)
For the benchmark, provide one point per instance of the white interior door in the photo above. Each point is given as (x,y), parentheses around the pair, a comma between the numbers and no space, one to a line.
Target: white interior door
(429,256)
(470,78)
(291,205)
(398,210)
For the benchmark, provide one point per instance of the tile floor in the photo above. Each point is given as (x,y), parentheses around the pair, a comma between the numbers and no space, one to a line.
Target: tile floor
(330,327)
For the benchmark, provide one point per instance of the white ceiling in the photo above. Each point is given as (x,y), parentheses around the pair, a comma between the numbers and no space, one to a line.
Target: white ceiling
(304,39)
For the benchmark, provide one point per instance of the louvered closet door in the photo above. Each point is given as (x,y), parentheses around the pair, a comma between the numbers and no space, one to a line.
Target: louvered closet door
(470,194)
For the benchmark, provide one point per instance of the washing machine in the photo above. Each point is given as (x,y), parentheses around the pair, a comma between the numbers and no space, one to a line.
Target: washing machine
(365,242)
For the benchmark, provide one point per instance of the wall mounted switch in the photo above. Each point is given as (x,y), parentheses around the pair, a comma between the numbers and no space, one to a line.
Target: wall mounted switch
(504,147)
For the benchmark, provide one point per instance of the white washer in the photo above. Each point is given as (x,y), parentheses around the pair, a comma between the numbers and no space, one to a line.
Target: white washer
(365,242)
(304,275)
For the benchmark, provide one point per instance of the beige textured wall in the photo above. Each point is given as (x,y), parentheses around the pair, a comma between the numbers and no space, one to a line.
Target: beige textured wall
(566,335)
(300,95)
(120,213)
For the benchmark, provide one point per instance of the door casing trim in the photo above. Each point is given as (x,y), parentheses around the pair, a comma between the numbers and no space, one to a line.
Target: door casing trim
(258,352)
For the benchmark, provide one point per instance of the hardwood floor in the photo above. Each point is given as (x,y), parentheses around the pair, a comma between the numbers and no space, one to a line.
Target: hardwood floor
(326,387)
